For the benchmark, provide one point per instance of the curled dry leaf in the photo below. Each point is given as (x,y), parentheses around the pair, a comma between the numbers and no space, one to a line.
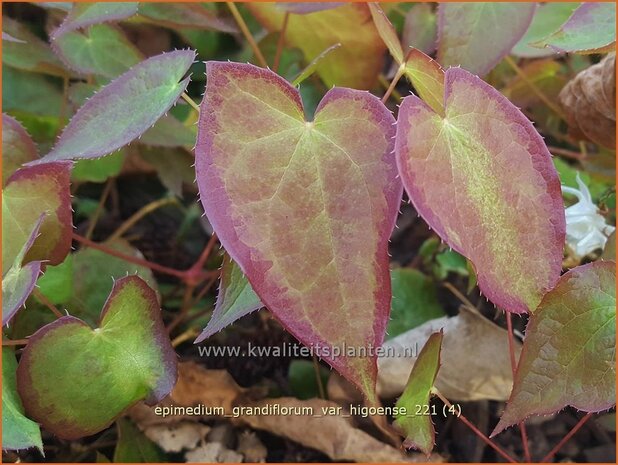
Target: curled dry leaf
(589,102)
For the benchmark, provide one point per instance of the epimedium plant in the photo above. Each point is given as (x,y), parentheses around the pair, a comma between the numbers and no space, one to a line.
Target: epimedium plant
(304,201)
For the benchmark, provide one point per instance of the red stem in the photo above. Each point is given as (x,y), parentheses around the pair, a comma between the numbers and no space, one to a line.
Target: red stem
(565,439)
(522,426)
(475,430)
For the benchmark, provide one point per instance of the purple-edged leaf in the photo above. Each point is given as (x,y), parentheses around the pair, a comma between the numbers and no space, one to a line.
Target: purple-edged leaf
(482,177)
(547,19)
(420,28)
(101,49)
(124,109)
(427,77)
(304,8)
(18,281)
(569,353)
(590,29)
(17,147)
(27,52)
(18,431)
(29,193)
(129,355)
(269,181)
(477,36)
(187,15)
(86,14)
(236,299)
(416,424)
(387,31)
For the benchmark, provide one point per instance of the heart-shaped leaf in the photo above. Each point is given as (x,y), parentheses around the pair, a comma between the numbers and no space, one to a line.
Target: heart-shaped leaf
(17,147)
(590,29)
(416,422)
(101,49)
(18,281)
(356,63)
(482,177)
(124,109)
(235,299)
(18,431)
(478,35)
(569,353)
(547,19)
(86,14)
(129,355)
(29,193)
(305,208)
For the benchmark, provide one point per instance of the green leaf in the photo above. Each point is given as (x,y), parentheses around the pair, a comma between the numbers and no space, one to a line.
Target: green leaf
(83,15)
(547,19)
(478,35)
(569,353)
(57,281)
(415,301)
(186,15)
(134,447)
(302,379)
(416,422)
(30,53)
(450,261)
(483,179)
(129,355)
(236,299)
(29,193)
(128,107)
(317,179)
(94,273)
(17,147)
(98,169)
(590,29)
(355,64)
(18,431)
(31,93)
(101,49)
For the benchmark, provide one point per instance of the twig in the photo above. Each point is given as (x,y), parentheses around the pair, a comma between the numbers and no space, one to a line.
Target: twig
(534,88)
(522,426)
(45,301)
(281,41)
(141,213)
(475,430)
(247,33)
(191,102)
(99,209)
(460,296)
(565,439)
(14,342)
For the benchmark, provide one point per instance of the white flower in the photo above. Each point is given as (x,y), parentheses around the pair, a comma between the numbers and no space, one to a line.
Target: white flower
(586,229)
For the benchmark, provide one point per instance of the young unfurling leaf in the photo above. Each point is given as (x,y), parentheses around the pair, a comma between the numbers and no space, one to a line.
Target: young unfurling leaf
(124,109)
(416,424)
(305,208)
(482,177)
(127,358)
(569,354)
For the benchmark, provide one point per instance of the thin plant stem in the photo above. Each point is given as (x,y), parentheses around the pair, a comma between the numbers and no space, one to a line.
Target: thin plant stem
(522,426)
(460,296)
(14,342)
(394,82)
(184,310)
(206,252)
(281,41)
(97,213)
(384,83)
(141,213)
(318,378)
(534,88)
(566,153)
(191,102)
(45,301)
(565,439)
(188,334)
(138,261)
(247,33)
(206,288)
(475,430)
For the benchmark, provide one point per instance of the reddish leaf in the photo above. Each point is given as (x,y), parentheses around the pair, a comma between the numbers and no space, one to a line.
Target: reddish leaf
(477,35)
(569,354)
(305,208)
(17,147)
(484,180)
